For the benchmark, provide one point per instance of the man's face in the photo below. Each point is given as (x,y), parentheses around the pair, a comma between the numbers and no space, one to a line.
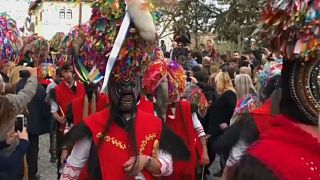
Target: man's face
(67,75)
(236,55)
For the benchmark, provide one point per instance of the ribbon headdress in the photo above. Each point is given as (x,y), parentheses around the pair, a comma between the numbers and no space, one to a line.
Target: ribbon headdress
(10,41)
(120,31)
(292,26)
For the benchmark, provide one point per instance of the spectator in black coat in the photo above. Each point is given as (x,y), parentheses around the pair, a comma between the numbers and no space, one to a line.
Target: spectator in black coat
(221,113)
(38,123)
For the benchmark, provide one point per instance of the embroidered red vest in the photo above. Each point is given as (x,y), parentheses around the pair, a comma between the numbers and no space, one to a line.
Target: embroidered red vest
(182,126)
(64,95)
(78,105)
(116,149)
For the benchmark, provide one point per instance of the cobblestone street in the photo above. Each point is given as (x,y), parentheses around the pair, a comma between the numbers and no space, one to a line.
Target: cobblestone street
(47,170)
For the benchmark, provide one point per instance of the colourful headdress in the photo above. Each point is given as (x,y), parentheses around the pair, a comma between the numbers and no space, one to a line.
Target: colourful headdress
(56,40)
(10,42)
(73,44)
(40,47)
(27,40)
(195,96)
(172,71)
(292,26)
(244,105)
(106,26)
(270,69)
(74,40)
(106,20)
(87,74)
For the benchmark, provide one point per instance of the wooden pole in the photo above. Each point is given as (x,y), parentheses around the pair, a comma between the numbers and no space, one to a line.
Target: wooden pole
(80,12)
(25,165)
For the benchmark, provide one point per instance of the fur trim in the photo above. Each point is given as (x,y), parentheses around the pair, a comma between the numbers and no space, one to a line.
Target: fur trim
(174,145)
(244,129)
(76,133)
(93,164)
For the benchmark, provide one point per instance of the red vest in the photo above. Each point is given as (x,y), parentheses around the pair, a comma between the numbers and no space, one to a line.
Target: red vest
(78,105)
(263,117)
(64,95)
(146,105)
(182,126)
(115,149)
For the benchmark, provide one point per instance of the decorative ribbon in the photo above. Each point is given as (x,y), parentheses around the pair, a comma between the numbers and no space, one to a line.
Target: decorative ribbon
(116,48)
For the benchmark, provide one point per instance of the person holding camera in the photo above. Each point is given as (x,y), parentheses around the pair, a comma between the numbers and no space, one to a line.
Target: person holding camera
(13,104)
(10,106)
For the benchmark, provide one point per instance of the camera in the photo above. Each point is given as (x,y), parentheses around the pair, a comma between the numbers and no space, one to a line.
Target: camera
(19,123)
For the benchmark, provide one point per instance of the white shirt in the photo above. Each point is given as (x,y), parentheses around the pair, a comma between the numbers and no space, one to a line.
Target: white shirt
(80,153)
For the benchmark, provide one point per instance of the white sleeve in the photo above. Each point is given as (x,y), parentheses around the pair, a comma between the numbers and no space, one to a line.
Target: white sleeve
(236,153)
(77,159)
(197,125)
(54,106)
(166,163)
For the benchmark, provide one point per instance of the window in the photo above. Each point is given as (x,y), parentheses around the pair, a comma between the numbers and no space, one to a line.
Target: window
(62,14)
(69,14)
(36,20)
(40,16)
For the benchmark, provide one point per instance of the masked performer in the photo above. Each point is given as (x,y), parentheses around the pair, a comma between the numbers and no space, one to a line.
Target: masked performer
(123,142)
(166,81)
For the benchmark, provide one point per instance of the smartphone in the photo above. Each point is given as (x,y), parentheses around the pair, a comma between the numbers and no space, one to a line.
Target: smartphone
(19,124)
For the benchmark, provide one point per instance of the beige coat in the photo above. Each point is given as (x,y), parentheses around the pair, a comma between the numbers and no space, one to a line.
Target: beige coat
(19,102)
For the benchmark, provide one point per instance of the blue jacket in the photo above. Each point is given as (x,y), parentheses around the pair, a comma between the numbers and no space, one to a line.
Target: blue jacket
(10,165)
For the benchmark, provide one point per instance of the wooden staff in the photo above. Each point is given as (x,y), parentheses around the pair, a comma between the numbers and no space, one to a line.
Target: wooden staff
(25,165)
(202,176)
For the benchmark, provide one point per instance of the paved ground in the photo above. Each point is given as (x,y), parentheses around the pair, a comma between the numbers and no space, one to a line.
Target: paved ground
(47,170)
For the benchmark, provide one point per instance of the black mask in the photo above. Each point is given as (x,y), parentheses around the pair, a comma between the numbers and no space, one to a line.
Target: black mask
(124,94)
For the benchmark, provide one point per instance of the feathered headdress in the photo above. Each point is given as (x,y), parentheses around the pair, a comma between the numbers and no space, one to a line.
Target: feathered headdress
(10,41)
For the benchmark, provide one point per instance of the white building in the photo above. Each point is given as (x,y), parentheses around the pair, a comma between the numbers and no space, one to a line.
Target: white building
(51,16)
